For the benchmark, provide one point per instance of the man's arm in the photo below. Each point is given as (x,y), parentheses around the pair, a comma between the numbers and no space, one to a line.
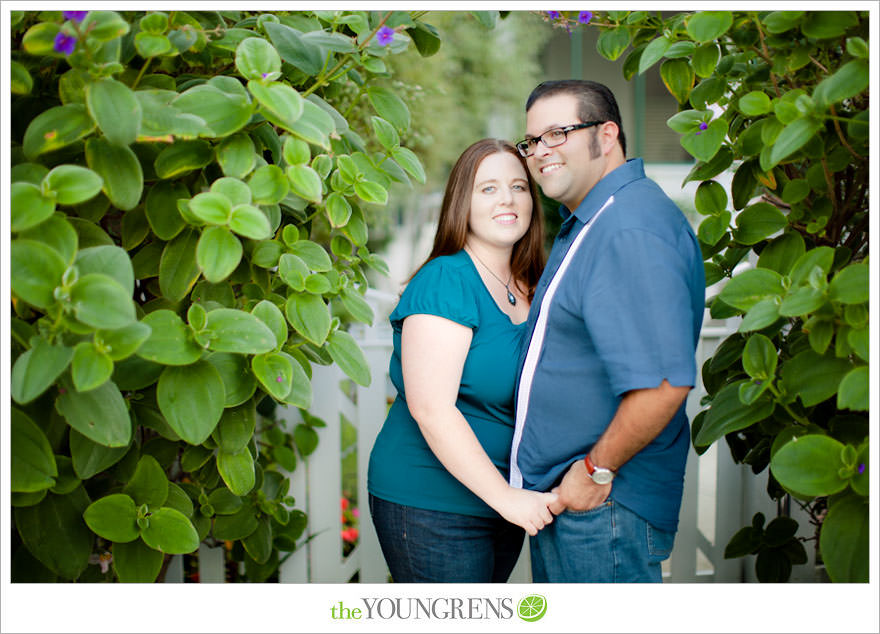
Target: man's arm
(640,417)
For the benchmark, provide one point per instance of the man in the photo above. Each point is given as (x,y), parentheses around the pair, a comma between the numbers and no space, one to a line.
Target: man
(613,330)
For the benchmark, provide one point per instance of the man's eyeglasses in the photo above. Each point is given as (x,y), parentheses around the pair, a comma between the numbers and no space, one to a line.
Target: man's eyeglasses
(551,138)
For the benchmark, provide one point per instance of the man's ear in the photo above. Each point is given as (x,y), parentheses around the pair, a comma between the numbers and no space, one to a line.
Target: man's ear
(608,133)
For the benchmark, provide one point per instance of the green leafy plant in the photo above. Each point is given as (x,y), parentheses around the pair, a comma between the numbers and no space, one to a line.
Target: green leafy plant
(780,99)
(190,201)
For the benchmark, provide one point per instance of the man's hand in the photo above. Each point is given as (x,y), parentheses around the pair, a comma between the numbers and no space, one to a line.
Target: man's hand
(577,491)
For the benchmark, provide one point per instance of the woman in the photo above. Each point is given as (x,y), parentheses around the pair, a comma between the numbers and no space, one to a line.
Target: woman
(439,496)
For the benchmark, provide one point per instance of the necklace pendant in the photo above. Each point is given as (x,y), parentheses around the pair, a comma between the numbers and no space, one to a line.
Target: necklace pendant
(511,298)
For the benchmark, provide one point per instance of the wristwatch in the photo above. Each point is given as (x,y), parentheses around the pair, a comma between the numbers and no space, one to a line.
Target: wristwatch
(599,475)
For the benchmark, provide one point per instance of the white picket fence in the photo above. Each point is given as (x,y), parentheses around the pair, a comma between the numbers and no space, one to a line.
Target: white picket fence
(720,496)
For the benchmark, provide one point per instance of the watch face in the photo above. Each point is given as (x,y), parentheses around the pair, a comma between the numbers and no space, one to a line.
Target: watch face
(602,476)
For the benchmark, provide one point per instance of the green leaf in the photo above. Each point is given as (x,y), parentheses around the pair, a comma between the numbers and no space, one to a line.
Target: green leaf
(90,458)
(315,125)
(36,270)
(338,209)
(257,59)
(803,301)
(237,156)
(183,157)
(850,285)
(148,485)
(821,257)
(390,107)
(236,526)
(761,315)
(371,192)
(38,368)
(56,128)
(309,316)
(813,377)
(135,562)
(191,398)
(90,367)
(313,254)
(300,394)
(120,169)
(296,151)
(293,49)
(110,260)
(33,463)
(237,470)
(348,356)
(101,302)
(385,133)
(279,103)
(305,182)
(259,543)
(99,414)
(170,341)
(72,184)
(238,380)
(305,438)
(115,109)
(218,253)
(425,37)
(705,59)
(211,207)
(728,414)
(782,252)
(757,222)
(704,26)
(613,42)
(710,198)
(828,24)
(754,103)
(749,287)
(844,540)
(224,113)
(810,465)
(104,26)
(178,268)
(274,372)
(409,162)
(113,517)
(760,357)
(20,80)
(236,428)
(792,138)
(169,531)
(55,533)
(232,330)
(653,53)
(161,208)
(781,21)
(29,207)
(853,392)
(224,501)
(268,185)
(271,315)
(704,144)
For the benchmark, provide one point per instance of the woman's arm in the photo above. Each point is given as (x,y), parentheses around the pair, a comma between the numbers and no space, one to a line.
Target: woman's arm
(433,352)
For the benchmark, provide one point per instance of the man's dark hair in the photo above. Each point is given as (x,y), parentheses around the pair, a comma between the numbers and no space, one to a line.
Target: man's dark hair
(595,101)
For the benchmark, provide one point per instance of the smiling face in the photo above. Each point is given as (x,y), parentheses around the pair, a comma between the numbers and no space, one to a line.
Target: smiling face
(501,203)
(569,171)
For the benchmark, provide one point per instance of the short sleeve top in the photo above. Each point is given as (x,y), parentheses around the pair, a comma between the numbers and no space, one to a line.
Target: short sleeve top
(403,469)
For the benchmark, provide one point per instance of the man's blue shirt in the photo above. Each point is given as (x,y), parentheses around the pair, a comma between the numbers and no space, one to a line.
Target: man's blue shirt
(626,315)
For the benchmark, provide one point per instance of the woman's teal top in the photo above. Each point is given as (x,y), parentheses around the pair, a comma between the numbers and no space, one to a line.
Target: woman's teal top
(403,469)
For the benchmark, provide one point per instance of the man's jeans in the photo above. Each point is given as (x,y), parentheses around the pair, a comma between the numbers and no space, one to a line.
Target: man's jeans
(437,547)
(606,544)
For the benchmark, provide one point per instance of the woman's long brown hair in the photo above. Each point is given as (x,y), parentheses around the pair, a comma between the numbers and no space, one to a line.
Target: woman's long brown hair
(528,258)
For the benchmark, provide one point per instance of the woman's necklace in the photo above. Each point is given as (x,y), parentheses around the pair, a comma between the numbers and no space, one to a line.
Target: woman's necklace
(510,296)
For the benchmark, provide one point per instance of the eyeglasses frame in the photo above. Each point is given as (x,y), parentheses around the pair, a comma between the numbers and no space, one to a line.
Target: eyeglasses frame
(565,130)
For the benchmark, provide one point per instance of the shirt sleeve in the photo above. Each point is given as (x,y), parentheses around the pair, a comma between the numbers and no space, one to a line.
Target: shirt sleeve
(639,312)
(440,288)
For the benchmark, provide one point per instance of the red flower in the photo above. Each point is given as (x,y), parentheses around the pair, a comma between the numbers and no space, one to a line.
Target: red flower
(344,503)
(350,534)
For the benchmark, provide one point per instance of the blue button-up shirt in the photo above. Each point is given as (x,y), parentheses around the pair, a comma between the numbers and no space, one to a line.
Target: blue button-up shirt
(626,314)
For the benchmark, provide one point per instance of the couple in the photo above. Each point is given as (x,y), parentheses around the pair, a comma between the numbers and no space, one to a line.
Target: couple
(597,355)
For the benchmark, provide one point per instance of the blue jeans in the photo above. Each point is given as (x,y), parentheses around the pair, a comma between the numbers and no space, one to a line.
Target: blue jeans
(438,547)
(606,544)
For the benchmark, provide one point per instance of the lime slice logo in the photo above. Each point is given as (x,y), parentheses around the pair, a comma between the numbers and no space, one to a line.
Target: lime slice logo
(532,607)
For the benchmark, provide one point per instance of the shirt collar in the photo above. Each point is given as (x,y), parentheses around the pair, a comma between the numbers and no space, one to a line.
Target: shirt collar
(632,170)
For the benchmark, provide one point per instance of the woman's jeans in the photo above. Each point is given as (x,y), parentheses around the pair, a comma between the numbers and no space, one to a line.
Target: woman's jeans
(437,547)
(606,544)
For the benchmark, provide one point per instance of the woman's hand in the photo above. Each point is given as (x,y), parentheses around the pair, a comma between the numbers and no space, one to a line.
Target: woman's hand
(528,509)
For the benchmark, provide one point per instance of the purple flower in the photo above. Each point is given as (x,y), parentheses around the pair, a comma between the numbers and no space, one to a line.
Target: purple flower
(554,15)
(584,17)
(704,126)
(385,35)
(265,75)
(64,43)
(76,16)
(861,468)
